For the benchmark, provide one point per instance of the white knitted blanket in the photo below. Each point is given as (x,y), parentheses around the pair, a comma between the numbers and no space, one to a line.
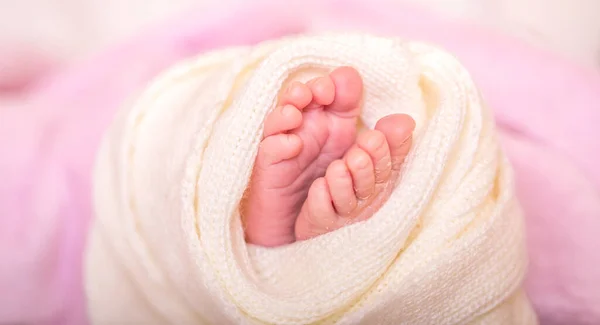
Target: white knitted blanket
(168,247)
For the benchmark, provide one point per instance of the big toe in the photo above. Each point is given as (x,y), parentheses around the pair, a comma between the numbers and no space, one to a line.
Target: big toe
(398,130)
(348,92)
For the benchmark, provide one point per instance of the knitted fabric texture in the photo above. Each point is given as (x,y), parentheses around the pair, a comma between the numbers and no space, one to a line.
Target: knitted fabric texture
(168,246)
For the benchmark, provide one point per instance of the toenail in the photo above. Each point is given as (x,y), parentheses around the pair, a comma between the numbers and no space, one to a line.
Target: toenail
(364,196)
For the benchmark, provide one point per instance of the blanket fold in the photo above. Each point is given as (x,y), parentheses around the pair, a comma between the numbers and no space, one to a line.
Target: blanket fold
(168,246)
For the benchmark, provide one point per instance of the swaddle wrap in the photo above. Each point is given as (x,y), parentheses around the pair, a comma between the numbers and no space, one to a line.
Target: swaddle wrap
(168,245)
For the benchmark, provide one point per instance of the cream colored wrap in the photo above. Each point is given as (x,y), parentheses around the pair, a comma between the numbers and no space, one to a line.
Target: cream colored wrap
(168,248)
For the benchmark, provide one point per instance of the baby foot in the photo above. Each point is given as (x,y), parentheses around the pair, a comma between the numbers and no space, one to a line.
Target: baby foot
(355,187)
(312,125)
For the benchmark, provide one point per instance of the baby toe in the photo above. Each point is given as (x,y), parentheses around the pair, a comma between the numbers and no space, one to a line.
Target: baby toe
(279,147)
(318,215)
(282,119)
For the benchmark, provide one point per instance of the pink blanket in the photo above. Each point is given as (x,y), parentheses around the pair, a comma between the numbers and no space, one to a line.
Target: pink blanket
(547,110)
